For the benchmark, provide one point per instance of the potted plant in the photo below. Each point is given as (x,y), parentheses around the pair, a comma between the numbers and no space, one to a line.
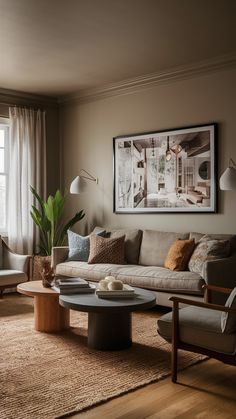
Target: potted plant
(49,219)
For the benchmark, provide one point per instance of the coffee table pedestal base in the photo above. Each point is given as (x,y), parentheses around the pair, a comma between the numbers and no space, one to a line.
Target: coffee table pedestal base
(49,316)
(109,331)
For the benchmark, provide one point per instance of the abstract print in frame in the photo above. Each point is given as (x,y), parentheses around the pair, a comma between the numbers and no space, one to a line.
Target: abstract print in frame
(171,171)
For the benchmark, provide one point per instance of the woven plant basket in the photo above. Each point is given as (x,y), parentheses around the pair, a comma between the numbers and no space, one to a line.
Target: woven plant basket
(38,263)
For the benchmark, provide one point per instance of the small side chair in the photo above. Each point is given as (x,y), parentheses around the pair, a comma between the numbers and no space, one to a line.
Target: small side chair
(14,268)
(201,327)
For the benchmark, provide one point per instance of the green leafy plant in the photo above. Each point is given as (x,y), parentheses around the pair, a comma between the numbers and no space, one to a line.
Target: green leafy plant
(48,218)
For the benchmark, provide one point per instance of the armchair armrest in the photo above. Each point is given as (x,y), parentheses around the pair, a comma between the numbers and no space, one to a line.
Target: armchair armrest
(208,291)
(59,254)
(177,300)
(15,261)
(176,338)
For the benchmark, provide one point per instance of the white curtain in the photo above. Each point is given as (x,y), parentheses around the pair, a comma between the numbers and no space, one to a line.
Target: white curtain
(27,167)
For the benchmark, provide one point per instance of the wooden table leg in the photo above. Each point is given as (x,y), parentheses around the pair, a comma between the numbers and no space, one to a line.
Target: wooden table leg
(49,316)
(109,331)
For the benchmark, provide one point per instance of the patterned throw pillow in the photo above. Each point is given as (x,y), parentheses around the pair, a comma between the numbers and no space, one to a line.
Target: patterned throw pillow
(79,246)
(179,254)
(106,250)
(208,250)
(228,320)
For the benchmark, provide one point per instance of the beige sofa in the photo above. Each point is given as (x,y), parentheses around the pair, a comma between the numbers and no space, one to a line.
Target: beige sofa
(145,253)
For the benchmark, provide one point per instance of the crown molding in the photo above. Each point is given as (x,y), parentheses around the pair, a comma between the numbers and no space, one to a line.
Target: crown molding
(136,84)
(14,97)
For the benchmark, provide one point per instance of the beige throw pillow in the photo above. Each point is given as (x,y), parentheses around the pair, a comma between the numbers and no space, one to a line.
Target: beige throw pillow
(179,254)
(107,250)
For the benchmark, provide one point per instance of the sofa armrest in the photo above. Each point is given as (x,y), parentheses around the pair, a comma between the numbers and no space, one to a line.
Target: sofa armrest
(15,261)
(59,254)
(222,273)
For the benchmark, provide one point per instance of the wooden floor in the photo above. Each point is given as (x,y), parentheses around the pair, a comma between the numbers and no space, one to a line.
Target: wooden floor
(206,390)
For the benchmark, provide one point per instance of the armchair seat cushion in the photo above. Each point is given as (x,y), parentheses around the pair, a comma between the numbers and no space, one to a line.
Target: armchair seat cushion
(199,327)
(11,277)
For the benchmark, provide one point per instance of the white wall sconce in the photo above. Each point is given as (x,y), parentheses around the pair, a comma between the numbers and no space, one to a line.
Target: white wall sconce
(228,178)
(76,186)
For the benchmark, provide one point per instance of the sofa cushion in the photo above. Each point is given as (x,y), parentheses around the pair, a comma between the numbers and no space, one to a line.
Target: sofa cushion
(132,243)
(155,246)
(106,250)
(200,327)
(228,320)
(208,250)
(160,279)
(79,246)
(153,278)
(93,272)
(179,254)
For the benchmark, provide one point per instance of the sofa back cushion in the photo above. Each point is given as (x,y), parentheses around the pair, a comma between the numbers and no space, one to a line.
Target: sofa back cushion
(155,246)
(228,320)
(133,239)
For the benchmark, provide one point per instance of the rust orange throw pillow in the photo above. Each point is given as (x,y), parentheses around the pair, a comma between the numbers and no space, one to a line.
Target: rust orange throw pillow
(179,254)
(103,250)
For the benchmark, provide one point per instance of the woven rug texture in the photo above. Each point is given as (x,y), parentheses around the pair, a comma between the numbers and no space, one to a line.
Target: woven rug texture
(45,376)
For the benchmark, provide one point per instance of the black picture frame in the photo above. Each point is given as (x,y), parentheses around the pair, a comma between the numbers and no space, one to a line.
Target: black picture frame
(168,171)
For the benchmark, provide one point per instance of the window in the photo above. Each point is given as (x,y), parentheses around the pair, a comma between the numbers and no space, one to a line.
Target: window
(4,159)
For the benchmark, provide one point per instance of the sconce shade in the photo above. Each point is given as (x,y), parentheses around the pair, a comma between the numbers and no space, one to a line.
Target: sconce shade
(75,185)
(228,179)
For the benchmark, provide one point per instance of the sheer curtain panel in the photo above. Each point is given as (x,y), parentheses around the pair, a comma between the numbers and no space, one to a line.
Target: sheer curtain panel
(27,167)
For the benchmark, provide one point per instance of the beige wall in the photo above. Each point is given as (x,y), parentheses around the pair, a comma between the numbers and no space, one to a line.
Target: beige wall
(87,131)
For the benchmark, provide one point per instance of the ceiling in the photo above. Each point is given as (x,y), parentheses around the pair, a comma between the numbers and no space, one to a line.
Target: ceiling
(56,48)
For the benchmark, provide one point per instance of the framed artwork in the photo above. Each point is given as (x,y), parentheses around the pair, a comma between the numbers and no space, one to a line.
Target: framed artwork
(172,171)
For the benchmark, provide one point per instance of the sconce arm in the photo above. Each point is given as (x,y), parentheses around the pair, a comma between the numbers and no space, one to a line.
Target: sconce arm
(89,176)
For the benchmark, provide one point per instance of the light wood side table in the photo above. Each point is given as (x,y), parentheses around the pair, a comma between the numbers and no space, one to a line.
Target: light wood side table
(49,316)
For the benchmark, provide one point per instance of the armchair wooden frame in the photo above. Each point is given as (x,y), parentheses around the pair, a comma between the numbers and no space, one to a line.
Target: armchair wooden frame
(178,344)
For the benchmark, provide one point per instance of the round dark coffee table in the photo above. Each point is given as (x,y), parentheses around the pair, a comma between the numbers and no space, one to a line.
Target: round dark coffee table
(109,320)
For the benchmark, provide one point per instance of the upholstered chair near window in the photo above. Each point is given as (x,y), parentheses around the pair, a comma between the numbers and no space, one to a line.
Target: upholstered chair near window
(201,327)
(14,268)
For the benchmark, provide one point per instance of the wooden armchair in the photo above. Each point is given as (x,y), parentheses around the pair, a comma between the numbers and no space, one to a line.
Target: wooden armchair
(198,328)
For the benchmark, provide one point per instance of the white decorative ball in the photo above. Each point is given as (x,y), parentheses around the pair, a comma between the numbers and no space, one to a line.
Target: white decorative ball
(115,285)
(103,285)
(110,278)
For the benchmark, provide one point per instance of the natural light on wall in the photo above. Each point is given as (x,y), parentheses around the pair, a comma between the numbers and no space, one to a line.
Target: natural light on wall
(4,134)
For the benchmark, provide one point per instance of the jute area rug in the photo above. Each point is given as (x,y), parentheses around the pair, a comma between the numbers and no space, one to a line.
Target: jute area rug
(54,375)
